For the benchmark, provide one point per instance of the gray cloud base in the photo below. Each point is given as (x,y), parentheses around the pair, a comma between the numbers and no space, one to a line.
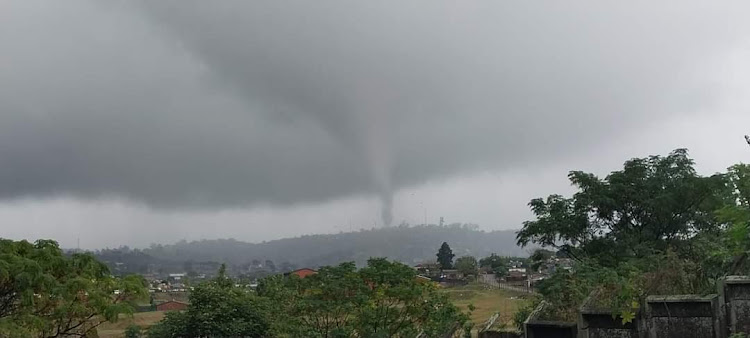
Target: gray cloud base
(194,104)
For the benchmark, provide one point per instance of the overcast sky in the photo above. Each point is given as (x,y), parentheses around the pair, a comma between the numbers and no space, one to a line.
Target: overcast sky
(139,122)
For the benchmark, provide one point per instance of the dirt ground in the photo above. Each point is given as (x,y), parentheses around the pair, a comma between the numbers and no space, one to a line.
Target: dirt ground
(167,296)
(142,319)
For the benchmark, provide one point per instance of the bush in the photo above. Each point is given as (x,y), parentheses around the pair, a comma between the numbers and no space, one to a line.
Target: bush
(524,312)
(133,331)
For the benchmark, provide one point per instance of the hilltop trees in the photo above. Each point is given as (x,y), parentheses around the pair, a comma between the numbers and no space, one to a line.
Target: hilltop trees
(45,293)
(445,256)
(269,265)
(402,243)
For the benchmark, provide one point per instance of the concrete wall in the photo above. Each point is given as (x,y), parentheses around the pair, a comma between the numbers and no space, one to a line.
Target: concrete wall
(598,321)
(496,334)
(677,316)
(533,327)
(551,330)
(734,297)
(602,325)
(683,316)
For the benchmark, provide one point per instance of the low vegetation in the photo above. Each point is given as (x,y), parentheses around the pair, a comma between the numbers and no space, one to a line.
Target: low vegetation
(403,243)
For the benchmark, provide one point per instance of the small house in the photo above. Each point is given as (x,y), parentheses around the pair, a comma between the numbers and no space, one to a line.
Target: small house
(302,273)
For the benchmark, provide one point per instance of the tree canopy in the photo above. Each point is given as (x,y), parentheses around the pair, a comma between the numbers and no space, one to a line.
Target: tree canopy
(539,257)
(445,256)
(650,205)
(497,264)
(654,227)
(45,293)
(467,265)
(217,309)
(383,299)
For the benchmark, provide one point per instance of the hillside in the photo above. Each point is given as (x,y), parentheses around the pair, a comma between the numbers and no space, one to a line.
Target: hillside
(403,243)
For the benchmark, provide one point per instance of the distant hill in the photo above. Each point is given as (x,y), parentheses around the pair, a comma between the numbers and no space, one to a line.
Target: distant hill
(408,244)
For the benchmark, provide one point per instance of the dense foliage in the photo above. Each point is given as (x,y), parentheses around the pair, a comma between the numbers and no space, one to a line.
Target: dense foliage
(45,293)
(384,299)
(217,308)
(539,257)
(445,256)
(498,265)
(467,265)
(654,227)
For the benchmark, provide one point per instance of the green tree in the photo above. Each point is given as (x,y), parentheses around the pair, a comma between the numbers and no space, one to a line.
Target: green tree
(445,256)
(736,215)
(384,299)
(283,293)
(539,257)
(467,265)
(328,299)
(46,293)
(133,331)
(650,205)
(650,228)
(217,309)
(497,264)
(398,305)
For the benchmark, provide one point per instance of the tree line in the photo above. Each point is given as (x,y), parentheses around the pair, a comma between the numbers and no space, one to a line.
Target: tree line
(405,243)
(383,299)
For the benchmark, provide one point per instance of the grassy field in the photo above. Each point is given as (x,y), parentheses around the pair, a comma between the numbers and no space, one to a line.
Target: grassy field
(142,319)
(486,302)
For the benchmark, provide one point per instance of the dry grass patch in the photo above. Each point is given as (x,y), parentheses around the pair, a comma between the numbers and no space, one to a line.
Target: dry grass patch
(486,301)
(117,329)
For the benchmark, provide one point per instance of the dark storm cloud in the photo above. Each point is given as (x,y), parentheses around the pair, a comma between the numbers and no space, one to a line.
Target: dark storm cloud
(233,103)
